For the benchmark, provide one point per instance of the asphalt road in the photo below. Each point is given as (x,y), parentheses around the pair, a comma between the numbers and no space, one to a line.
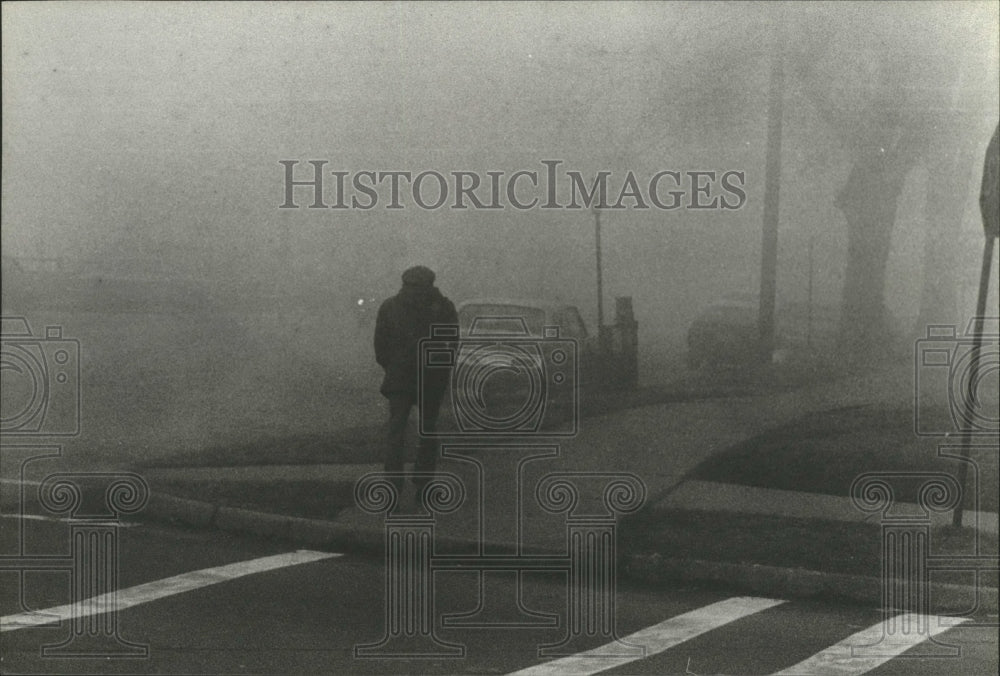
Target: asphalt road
(308,611)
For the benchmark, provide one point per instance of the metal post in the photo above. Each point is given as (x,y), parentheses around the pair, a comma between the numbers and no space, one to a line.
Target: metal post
(600,281)
(772,179)
(977,345)
(627,330)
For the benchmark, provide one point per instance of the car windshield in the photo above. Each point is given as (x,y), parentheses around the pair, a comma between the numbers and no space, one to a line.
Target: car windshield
(501,319)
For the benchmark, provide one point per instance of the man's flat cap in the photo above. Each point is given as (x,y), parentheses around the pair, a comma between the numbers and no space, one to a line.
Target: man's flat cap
(418,275)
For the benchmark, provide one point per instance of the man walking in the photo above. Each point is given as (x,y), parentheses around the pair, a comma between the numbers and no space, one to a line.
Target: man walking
(402,322)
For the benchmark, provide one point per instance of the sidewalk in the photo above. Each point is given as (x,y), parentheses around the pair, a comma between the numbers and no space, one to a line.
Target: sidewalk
(724,497)
(660,444)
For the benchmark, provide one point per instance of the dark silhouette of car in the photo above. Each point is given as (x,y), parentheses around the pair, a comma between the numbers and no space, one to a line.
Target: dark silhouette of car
(496,315)
(532,320)
(726,333)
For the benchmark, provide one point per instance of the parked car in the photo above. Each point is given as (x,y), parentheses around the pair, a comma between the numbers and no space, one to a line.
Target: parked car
(502,316)
(530,322)
(726,333)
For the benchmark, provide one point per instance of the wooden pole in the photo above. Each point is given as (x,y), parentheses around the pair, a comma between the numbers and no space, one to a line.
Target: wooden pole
(772,180)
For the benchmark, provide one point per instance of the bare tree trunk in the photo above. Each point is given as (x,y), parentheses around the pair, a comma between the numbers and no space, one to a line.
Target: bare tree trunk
(869,235)
(869,202)
(949,186)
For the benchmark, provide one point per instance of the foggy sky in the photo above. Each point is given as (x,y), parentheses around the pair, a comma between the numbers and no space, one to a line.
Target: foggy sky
(144,139)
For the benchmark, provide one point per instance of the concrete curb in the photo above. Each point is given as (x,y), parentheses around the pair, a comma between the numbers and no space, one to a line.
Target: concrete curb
(181,510)
(646,568)
(234,519)
(299,530)
(798,582)
(308,532)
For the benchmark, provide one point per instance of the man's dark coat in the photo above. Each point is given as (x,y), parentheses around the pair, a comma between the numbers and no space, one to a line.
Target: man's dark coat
(402,322)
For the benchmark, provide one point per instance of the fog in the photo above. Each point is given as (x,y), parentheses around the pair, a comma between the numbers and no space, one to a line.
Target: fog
(142,182)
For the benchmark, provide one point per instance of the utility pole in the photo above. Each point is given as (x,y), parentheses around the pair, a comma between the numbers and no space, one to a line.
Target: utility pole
(772,179)
(600,281)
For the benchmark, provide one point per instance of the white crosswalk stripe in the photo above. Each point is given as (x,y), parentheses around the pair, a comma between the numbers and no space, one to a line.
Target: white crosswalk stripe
(857,654)
(151,591)
(57,519)
(872,647)
(656,638)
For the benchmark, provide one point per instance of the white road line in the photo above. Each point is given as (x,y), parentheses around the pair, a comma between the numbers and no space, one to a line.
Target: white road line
(151,591)
(40,517)
(911,629)
(656,638)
